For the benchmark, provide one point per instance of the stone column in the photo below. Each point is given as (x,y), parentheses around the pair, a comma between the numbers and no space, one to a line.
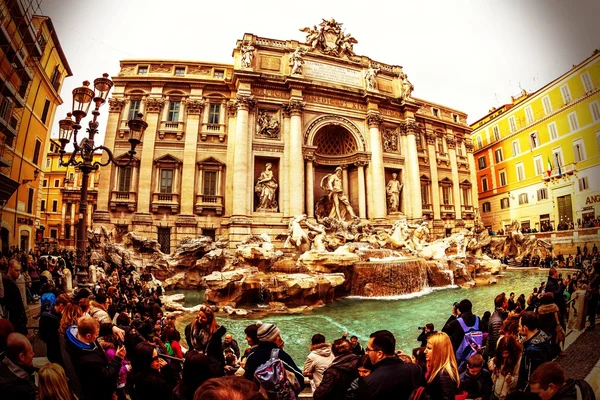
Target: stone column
(473,174)
(296,175)
(63,214)
(284,167)
(435,188)
(345,180)
(379,210)
(102,214)
(451,143)
(241,167)
(362,198)
(72,236)
(412,160)
(310,183)
(188,197)
(231,126)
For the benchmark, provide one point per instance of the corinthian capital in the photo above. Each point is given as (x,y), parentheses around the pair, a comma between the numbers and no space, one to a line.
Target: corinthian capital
(450,142)
(374,120)
(194,106)
(293,106)
(115,105)
(468,146)
(244,101)
(154,105)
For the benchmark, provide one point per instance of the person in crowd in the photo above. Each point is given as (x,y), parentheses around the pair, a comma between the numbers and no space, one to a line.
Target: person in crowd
(476,380)
(340,374)
(536,345)
(505,366)
(150,377)
(391,377)
(557,287)
(453,315)
(97,377)
(204,334)
(228,388)
(485,323)
(356,347)
(16,369)
(549,322)
(12,301)
(549,382)
(364,367)
(269,337)
(49,327)
(85,305)
(252,339)
(319,358)
(454,329)
(511,302)
(197,369)
(52,383)
(231,362)
(419,357)
(109,349)
(69,316)
(521,303)
(443,379)
(230,342)
(496,321)
(427,330)
(6,328)
(173,346)
(594,291)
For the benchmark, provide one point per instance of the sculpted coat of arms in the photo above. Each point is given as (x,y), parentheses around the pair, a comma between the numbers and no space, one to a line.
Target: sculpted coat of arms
(329,38)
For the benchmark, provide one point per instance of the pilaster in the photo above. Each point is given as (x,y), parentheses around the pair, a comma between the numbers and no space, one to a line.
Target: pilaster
(241,168)
(188,174)
(294,108)
(376,168)
(451,143)
(412,159)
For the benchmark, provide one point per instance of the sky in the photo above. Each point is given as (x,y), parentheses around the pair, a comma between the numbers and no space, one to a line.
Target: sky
(470,55)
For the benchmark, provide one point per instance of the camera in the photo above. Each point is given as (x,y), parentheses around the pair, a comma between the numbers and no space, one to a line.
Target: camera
(421,328)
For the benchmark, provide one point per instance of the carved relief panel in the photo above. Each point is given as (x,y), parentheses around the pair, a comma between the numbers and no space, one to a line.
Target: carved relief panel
(268,124)
(390,140)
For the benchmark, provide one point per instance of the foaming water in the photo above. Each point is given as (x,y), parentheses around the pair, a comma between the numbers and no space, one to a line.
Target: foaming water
(426,291)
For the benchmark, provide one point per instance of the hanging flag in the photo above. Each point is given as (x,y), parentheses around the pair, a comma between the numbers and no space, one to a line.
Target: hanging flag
(549,167)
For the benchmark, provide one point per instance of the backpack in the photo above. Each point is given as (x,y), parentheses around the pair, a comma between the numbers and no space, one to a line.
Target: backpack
(276,383)
(471,343)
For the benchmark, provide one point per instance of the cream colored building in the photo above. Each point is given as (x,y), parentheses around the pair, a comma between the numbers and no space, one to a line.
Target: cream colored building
(304,108)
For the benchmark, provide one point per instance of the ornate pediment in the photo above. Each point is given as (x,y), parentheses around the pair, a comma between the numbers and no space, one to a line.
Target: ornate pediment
(167,159)
(210,161)
(329,38)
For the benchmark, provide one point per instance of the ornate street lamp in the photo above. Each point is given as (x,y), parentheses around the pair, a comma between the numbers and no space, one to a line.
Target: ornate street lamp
(83,152)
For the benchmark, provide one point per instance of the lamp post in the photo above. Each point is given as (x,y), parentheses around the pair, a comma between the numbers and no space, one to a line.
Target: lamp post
(83,152)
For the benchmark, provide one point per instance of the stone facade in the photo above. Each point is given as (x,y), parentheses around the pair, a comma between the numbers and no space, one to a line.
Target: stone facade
(305,109)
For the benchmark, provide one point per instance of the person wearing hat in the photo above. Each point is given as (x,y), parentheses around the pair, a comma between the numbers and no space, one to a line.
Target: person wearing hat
(269,337)
(454,329)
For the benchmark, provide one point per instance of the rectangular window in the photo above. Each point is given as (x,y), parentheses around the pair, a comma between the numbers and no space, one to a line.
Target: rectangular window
(219,74)
(459,149)
(179,71)
(45,183)
(48,163)
(595,110)
(166,181)
(479,142)
(529,115)
(498,155)
(45,111)
(481,162)
(71,176)
(425,191)
(516,149)
(486,207)
(436,112)
(43,205)
(558,157)
(504,203)
(583,183)
(539,165)
(523,198)
(214,113)
(466,196)
(57,183)
(542,194)
(55,77)
(566,93)
(520,172)
(142,70)
(455,117)
(512,123)
(484,184)
(134,109)
(209,183)
(496,131)
(547,104)
(446,195)
(440,144)
(553,131)
(534,140)
(173,111)
(54,233)
(579,150)
(573,121)
(54,205)
(588,86)
(30,200)
(503,181)
(36,152)
(124,179)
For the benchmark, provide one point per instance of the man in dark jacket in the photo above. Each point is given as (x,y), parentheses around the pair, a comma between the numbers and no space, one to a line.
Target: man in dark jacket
(391,378)
(269,337)
(536,345)
(496,322)
(454,329)
(12,300)
(49,326)
(16,369)
(340,374)
(549,382)
(97,376)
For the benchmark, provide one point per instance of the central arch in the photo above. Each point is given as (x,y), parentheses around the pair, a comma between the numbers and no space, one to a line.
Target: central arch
(333,123)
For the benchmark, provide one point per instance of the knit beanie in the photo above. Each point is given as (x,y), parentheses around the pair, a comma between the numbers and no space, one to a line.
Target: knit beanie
(267,332)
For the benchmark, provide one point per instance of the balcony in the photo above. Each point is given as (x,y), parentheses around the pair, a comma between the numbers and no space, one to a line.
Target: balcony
(123,199)
(28,32)
(165,200)
(175,128)
(565,170)
(213,130)
(467,210)
(204,202)
(447,208)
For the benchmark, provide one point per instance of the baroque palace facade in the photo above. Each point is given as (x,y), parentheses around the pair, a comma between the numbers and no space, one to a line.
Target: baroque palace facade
(233,150)
(538,158)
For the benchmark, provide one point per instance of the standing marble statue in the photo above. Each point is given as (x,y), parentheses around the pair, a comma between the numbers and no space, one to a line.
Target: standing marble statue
(266,186)
(296,60)
(393,189)
(340,204)
(371,77)
(247,55)
(407,87)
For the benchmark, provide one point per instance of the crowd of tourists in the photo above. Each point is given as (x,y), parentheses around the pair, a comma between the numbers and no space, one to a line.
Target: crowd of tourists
(112,341)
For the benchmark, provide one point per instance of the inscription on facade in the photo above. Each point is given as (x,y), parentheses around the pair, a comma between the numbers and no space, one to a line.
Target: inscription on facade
(270,63)
(334,102)
(263,92)
(332,73)
(385,86)
(389,113)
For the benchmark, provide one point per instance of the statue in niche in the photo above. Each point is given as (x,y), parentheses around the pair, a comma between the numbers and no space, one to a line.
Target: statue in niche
(247,55)
(335,203)
(267,125)
(390,141)
(371,77)
(393,190)
(407,87)
(266,188)
(296,60)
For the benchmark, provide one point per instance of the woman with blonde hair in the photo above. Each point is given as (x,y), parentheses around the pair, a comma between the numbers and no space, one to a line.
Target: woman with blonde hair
(442,371)
(204,335)
(70,315)
(53,383)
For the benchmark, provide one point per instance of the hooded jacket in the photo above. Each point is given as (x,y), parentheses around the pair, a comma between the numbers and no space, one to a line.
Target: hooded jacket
(496,321)
(535,352)
(337,378)
(317,362)
(575,390)
(98,376)
(548,317)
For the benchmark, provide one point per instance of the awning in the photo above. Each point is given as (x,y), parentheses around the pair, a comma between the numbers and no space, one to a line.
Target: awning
(7,187)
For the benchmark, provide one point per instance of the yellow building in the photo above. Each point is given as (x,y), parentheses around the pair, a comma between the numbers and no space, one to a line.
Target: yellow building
(538,158)
(60,193)
(33,68)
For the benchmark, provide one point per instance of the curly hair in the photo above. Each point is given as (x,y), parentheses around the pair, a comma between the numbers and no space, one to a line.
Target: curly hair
(514,348)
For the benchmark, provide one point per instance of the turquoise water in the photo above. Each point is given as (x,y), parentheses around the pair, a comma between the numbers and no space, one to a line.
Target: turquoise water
(361,317)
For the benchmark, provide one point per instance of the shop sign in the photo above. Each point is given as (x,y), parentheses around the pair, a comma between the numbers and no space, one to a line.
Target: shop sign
(25,221)
(593,199)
